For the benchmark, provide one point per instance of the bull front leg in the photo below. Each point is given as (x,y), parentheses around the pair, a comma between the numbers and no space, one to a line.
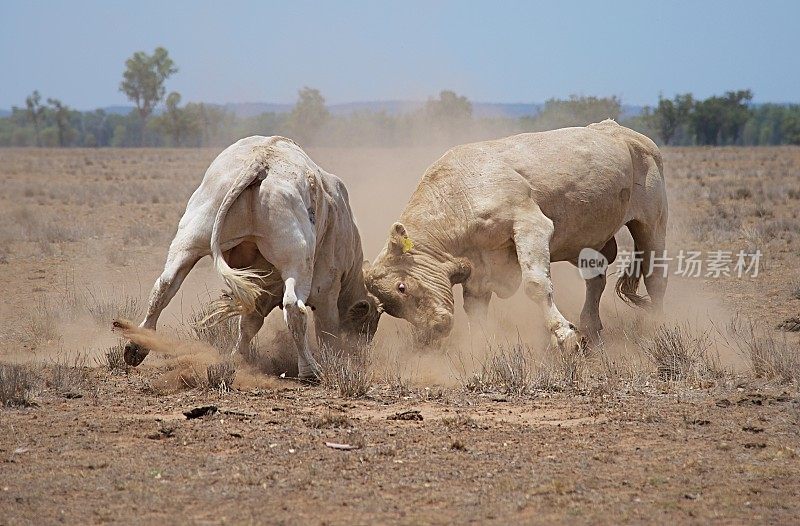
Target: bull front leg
(179,263)
(532,234)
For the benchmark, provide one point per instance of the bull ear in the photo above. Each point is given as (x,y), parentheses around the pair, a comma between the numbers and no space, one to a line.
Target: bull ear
(461,271)
(399,242)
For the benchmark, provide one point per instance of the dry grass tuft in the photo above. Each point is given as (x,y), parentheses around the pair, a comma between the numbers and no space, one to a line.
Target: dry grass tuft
(221,375)
(40,324)
(459,421)
(569,368)
(769,356)
(508,369)
(104,306)
(330,420)
(512,369)
(17,385)
(617,375)
(222,336)
(46,229)
(458,445)
(68,376)
(679,353)
(114,358)
(348,371)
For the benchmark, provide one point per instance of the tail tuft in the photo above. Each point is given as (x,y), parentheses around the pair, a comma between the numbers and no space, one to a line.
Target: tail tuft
(628,283)
(243,285)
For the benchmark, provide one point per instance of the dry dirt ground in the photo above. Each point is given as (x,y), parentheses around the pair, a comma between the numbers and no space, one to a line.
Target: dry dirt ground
(695,420)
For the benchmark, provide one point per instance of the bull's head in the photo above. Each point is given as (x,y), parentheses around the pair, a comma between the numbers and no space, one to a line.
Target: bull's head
(361,320)
(415,282)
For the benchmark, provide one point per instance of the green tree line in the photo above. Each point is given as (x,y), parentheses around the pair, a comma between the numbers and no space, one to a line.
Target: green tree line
(159,119)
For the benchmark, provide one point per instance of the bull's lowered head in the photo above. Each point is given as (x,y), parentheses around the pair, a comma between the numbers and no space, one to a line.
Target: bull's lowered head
(361,320)
(414,280)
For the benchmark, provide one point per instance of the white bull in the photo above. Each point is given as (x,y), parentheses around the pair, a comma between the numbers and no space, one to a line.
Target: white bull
(281,233)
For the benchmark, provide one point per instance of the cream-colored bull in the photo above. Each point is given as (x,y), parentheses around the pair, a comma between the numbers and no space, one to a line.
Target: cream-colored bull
(281,233)
(494,214)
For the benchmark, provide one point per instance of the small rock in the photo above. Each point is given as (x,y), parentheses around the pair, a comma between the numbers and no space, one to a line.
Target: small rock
(790,324)
(413,415)
(340,447)
(753,429)
(199,412)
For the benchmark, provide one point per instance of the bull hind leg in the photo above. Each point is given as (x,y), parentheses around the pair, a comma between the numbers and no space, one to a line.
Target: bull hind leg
(250,324)
(650,242)
(296,269)
(295,313)
(591,324)
(180,261)
(246,255)
(532,235)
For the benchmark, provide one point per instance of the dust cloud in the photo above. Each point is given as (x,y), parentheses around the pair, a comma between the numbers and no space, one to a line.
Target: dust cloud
(380,182)
(187,360)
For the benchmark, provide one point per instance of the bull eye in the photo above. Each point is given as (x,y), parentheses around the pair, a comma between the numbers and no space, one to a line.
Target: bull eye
(401,287)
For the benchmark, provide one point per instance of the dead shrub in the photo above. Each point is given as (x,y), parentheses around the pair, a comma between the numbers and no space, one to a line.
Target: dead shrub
(508,369)
(459,421)
(40,324)
(678,353)
(145,234)
(348,371)
(458,445)
(615,375)
(512,369)
(46,230)
(17,385)
(221,375)
(770,357)
(116,256)
(114,358)
(569,367)
(222,336)
(67,375)
(104,306)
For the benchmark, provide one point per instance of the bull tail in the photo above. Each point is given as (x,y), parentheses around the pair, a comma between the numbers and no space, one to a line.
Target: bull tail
(628,282)
(243,283)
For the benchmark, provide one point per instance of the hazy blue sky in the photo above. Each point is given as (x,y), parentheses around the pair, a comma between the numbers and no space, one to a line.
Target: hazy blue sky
(490,51)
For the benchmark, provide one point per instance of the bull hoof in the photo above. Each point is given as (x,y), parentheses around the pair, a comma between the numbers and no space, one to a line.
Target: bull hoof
(309,380)
(310,375)
(134,354)
(592,334)
(572,342)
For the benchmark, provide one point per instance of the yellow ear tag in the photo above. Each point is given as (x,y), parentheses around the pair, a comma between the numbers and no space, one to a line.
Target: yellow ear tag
(407,244)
